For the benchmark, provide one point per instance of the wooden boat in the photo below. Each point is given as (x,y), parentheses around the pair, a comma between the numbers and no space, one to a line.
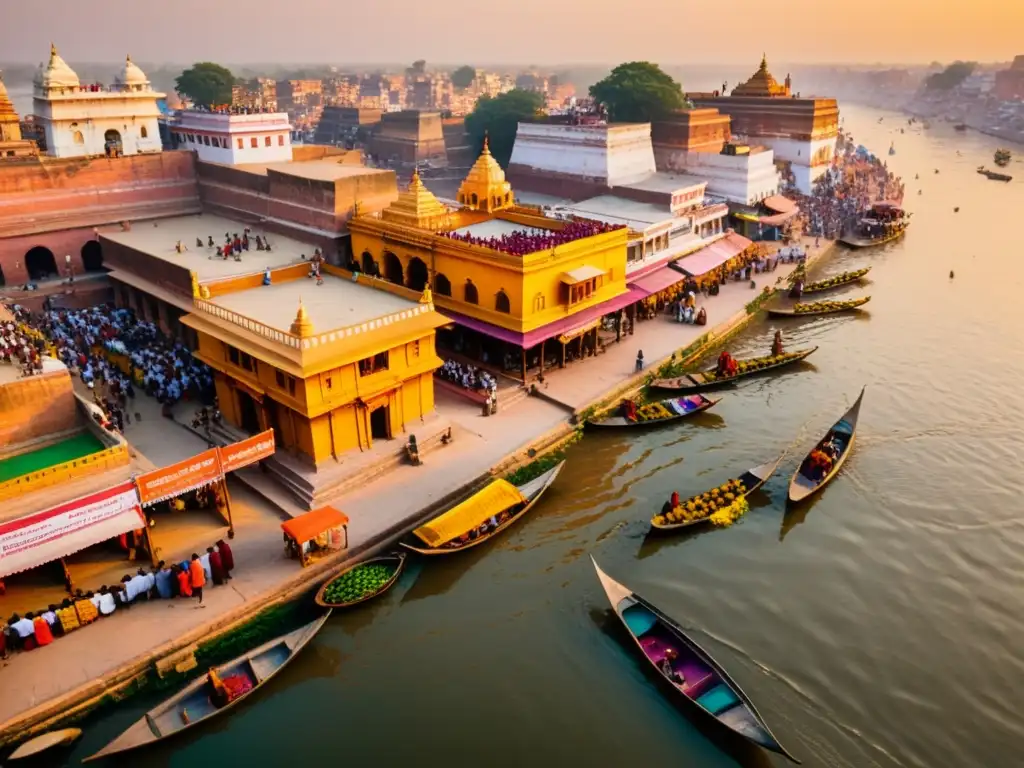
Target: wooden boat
(194,704)
(960,127)
(395,561)
(701,681)
(843,432)
(856,241)
(752,479)
(500,499)
(45,741)
(1002,157)
(993,175)
(673,409)
(842,306)
(695,382)
(838,281)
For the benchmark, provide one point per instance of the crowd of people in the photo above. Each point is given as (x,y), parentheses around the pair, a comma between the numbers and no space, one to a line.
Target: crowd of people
(186,579)
(22,345)
(522,242)
(468,376)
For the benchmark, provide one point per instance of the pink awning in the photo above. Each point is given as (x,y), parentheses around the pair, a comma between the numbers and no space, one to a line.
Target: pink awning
(658,280)
(778,219)
(714,255)
(779,204)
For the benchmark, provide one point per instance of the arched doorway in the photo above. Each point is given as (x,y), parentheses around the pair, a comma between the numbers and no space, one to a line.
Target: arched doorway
(40,263)
(369,265)
(393,272)
(92,256)
(442,285)
(418,274)
(112,141)
(3,281)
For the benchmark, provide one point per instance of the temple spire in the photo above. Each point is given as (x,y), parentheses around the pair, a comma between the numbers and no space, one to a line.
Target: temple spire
(302,326)
(53,50)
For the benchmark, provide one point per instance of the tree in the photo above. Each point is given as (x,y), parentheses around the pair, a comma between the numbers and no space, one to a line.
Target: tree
(418,68)
(951,76)
(463,77)
(638,92)
(205,84)
(499,117)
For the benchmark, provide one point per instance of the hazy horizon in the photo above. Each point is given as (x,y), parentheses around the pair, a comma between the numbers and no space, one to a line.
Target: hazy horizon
(904,32)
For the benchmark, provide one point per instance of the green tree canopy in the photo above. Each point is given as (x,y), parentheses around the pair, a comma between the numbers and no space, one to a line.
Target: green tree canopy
(206,84)
(951,76)
(463,76)
(638,92)
(498,119)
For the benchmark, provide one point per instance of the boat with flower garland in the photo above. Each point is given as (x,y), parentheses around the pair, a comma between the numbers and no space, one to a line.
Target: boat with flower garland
(630,414)
(819,308)
(720,504)
(709,379)
(836,281)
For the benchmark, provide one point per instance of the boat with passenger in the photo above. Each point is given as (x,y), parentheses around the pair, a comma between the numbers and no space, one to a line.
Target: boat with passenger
(824,461)
(630,414)
(883,223)
(1002,157)
(729,370)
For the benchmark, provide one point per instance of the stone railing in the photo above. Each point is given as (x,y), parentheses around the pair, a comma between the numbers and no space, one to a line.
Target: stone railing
(317,339)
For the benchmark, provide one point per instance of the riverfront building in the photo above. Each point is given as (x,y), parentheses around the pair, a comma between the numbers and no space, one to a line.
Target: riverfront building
(233,138)
(800,131)
(84,120)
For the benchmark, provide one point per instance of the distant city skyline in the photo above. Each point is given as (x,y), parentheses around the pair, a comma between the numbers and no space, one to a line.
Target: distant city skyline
(528,31)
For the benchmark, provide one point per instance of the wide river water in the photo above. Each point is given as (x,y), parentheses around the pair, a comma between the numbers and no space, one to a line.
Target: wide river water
(879,625)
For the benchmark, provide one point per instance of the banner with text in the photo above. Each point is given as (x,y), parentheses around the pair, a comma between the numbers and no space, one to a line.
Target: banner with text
(46,536)
(246,452)
(168,482)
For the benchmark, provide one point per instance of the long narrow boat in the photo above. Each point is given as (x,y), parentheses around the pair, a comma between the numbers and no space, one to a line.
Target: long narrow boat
(691,671)
(709,379)
(658,412)
(842,434)
(481,517)
(741,487)
(382,573)
(194,704)
(837,281)
(44,742)
(819,308)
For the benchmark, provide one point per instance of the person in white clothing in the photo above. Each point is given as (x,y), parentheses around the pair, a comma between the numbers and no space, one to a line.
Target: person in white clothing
(107,603)
(23,626)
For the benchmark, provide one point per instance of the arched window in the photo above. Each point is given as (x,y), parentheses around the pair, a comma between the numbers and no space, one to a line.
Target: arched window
(393,271)
(470,293)
(539,302)
(419,276)
(462,199)
(143,132)
(506,197)
(501,302)
(92,256)
(442,285)
(474,198)
(369,265)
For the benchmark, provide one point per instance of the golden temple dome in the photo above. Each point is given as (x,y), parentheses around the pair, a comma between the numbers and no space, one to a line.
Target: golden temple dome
(302,326)
(417,207)
(761,84)
(57,73)
(131,74)
(485,188)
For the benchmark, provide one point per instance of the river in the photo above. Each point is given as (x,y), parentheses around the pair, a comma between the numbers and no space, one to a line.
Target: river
(877,626)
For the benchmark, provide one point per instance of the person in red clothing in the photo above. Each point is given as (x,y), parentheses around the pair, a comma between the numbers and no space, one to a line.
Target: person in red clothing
(184,583)
(197,577)
(42,631)
(216,566)
(226,557)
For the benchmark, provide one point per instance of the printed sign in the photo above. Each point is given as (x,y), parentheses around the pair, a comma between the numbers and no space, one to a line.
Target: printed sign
(62,530)
(187,475)
(246,452)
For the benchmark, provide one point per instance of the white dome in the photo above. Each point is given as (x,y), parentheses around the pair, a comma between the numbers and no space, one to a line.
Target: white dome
(56,74)
(131,74)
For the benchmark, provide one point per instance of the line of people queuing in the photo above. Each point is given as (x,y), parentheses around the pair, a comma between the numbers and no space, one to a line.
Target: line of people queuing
(186,579)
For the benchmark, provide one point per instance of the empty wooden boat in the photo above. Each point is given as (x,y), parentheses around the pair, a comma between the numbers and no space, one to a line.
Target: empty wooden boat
(215,692)
(699,680)
(44,742)
(811,477)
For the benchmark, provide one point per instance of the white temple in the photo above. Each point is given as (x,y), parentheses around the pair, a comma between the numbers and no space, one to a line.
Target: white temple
(84,120)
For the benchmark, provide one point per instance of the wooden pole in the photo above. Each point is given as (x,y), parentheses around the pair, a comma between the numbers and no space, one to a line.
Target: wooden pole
(542,358)
(149,543)
(227,505)
(524,363)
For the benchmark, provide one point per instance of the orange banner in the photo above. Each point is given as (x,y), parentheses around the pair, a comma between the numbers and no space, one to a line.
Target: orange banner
(246,452)
(187,475)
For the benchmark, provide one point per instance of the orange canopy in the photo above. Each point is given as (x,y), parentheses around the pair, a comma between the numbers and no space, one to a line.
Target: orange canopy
(310,525)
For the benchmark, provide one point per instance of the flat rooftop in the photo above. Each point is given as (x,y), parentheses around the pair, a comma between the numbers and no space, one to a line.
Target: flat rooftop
(158,239)
(326,169)
(12,371)
(539,198)
(666,182)
(497,228)
(612,209)
(336,304)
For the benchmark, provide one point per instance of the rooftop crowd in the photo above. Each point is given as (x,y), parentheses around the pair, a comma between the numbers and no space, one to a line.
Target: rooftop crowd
(520,243)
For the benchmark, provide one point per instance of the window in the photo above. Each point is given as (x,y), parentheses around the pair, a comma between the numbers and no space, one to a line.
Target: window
(539,302)
(266,141)
(327,382)
(241,144)
(442,285)
(415,348)
(233,355)
(254,142)
(470,293)
(291,386)
(501,302)
(582,291)
(206,140)
(143,132)
(370,365)
(248,363)
(280,140)
(279,378)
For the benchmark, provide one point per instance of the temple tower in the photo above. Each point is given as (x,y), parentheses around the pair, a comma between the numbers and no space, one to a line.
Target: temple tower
(485,187)
(11,142)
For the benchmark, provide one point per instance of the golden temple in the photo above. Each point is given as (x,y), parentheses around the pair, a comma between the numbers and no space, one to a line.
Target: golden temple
(763,85)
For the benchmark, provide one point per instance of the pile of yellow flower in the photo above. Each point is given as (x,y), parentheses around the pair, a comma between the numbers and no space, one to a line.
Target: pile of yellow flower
(824,306)
(30,333)
(726,516)
(706,505)
(652,411)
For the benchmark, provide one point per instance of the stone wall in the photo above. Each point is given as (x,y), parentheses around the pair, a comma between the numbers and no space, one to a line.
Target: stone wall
(165,274)
(35,407)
